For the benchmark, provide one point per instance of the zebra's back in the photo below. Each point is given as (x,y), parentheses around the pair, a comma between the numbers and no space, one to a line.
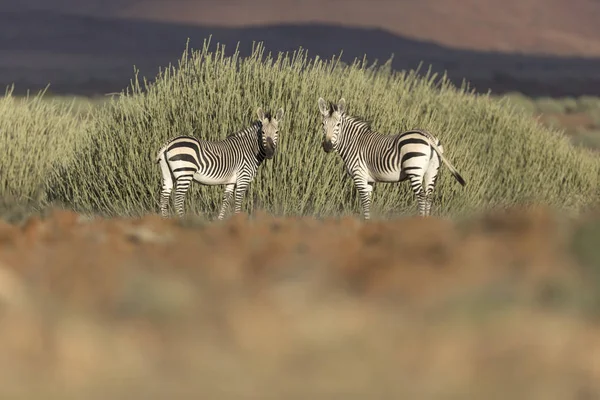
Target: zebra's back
(415,146)
(209,162)
(388,158)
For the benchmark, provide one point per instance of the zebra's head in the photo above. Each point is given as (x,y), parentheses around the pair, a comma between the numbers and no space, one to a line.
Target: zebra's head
(269,132)
(333,115)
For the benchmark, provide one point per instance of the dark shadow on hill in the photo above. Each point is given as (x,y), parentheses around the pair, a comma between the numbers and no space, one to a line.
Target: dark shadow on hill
(86,55)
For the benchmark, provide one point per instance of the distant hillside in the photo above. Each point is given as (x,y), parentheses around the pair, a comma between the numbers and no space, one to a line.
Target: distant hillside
(89,46)
(558,27)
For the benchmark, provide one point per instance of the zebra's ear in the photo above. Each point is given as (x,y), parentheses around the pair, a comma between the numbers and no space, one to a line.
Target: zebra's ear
(279,114)
(323,107)
(342,105)
(260,113)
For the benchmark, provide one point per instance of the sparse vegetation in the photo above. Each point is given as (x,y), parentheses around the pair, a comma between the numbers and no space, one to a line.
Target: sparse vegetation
(550,106)
(578,117)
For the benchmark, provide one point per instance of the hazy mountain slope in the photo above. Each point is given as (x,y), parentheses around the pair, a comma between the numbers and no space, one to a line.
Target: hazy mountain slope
(532,26)
(92,45)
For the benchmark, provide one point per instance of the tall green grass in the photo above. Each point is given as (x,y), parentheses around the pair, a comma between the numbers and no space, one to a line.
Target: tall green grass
(506,157)
(38,138)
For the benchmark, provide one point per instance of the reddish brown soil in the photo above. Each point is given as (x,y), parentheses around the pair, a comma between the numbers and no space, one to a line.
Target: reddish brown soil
(410,257)
(293,308)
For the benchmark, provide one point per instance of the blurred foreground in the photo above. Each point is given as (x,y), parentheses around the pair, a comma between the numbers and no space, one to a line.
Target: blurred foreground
(503,306)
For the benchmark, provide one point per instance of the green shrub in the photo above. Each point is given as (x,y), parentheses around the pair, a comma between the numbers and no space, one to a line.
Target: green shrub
(589,139)
(595,117)
(521,101)
(588,103)
(548,105)
(570,104)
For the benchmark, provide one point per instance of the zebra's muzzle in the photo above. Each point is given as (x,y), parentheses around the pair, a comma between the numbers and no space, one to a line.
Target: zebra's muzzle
(327,146)
(269,148)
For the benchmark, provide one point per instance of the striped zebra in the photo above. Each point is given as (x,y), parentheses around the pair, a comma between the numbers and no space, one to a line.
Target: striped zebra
(232,162)
(371,156)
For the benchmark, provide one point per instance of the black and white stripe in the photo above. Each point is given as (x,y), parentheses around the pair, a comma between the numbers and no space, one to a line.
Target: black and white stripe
(232,162)
(371,156)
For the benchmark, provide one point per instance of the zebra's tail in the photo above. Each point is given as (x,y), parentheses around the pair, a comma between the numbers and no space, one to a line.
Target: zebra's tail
(440,153)
(160,154)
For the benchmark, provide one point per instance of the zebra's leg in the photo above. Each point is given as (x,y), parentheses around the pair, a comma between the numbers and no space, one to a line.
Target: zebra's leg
(240,190)
(167,188)
(229,188)
(182,185)
(364,190)
(428,201)
(165,195)
(429,195)
(417,187)
(430,180)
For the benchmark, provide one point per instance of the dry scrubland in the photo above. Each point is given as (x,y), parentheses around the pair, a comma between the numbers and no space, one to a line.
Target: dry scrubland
(480,303)
(578,117)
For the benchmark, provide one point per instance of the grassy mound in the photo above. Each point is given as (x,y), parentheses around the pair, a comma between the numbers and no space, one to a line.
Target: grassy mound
(38,138)
(506,157)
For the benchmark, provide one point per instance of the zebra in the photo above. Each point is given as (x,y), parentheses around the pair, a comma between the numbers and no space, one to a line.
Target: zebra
(370,156)
(232,162)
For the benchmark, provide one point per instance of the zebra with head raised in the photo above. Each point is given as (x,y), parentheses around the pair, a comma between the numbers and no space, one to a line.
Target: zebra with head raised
(232,162)
(371,156)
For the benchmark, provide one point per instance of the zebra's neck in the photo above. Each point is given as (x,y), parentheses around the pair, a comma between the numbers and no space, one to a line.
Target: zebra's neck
(352,129)
(250,140)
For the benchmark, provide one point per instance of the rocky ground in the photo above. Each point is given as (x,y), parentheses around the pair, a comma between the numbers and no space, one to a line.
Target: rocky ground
(499,306)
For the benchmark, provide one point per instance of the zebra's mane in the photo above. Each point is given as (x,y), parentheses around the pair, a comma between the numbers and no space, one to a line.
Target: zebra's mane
(366,124)
(170,139)
(252,128)
(361,121)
